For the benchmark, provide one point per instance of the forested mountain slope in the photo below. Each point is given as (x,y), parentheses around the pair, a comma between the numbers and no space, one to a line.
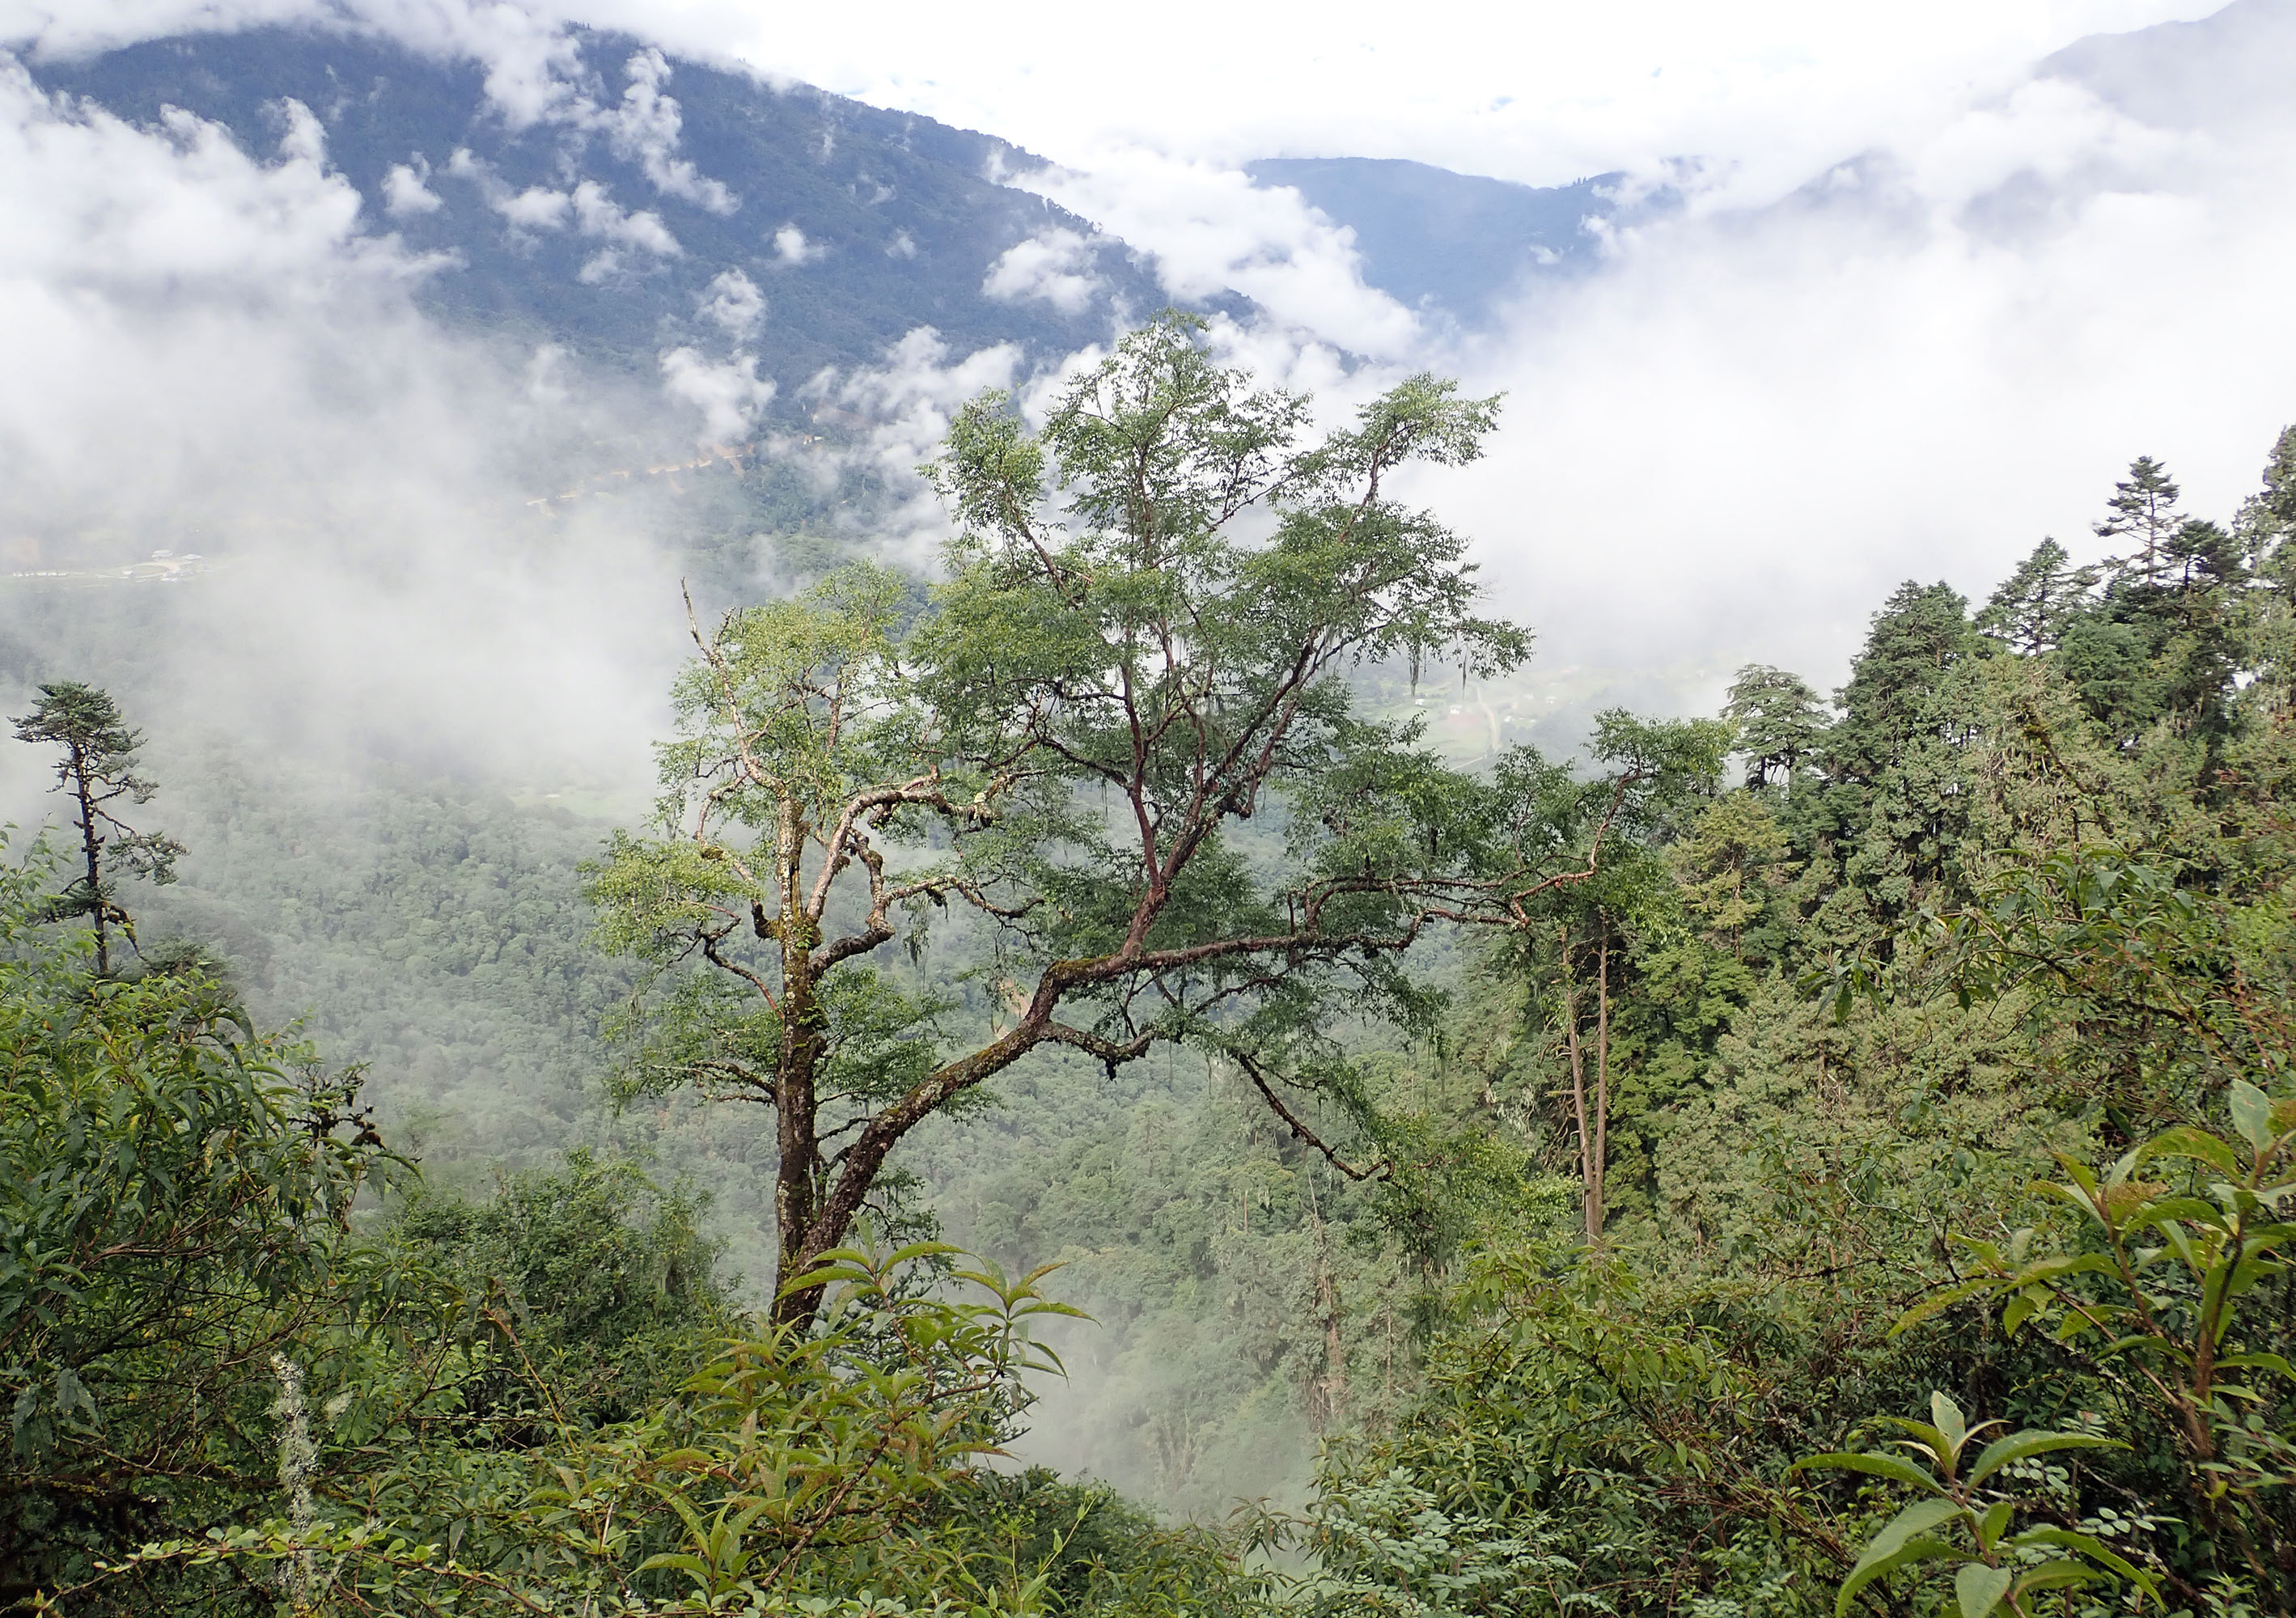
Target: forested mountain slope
(606,211)
(1830,1152)
(1594,1243)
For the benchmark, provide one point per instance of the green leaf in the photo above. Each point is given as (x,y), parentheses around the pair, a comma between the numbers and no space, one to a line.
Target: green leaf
(1865,1573)
(2176,1208)
(1950,1422)
(2257,1362)
(2057,1575)
(2064,1538)
(1917,1518)
(1878,1466)
(2019,1309)
(2184,1141)
(682,1562)
(1938,1302)
(2003,1451)
(1979,1589)
(2251,1114)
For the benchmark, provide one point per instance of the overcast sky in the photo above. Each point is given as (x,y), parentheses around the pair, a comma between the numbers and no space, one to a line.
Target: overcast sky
(1531,90)
(1727,445)
(1983,294)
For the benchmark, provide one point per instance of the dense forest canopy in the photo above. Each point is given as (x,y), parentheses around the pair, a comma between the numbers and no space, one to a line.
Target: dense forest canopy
(1825,1154)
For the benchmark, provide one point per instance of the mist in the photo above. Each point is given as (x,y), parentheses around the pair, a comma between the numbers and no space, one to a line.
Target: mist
(426,585)
(212,358)
(1764,411)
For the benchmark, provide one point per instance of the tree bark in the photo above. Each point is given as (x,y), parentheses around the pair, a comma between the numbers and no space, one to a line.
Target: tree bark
(1602,1154)
(92,846)
(1589,1210)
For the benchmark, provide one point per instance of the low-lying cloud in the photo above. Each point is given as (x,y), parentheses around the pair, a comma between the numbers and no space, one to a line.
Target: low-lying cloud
(208,354)
(1761,412)
(1764,408)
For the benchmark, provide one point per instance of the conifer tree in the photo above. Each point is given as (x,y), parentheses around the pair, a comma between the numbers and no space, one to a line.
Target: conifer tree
(2144,505)
(1779,719)
(97,768)
(2030,611)
(1922,632)
(2279,495)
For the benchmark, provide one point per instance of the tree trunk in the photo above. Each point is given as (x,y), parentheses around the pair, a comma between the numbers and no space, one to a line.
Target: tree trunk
(92,846)
(1589,1207)
(1602,1154)
(1332,1406)
(797,1176)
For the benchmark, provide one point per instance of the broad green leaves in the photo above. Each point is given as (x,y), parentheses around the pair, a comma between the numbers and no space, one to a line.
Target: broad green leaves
(1957,1519)
(2153,1286)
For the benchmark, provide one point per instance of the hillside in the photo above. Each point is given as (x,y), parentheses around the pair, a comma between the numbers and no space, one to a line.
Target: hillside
(608,218)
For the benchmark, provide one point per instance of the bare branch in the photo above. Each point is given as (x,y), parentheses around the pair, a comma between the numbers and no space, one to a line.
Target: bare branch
(1382,1170)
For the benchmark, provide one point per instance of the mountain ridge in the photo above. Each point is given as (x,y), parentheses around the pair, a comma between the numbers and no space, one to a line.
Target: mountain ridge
(611,226)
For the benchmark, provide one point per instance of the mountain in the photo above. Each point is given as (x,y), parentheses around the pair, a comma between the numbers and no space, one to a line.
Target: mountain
(2226,70)
(611,209)
(1457,241)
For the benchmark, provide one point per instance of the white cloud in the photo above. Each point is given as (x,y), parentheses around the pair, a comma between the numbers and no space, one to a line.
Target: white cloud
(204,348)
(1544,90)
(729,394)
(304,139)
(733,302)
(1055,265)
(532,63)
(596,214)
(537,208)
(405,193)
(905,406)
(645,129)
(589,208)
(1730,445)
(1980,294)
(91,199)
(1208,229)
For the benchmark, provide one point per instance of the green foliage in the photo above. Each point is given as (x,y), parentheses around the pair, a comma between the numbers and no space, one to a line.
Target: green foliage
(598,1287)
(1107,905)
(2031,610)
(175,1187)
(98,767)
(2008,1568)
(1117,676)
(832,1469)
(2157,1283)
(1577,1441)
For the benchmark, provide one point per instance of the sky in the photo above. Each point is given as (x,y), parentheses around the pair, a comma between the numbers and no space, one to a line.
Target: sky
(1920,307)
(1532,90)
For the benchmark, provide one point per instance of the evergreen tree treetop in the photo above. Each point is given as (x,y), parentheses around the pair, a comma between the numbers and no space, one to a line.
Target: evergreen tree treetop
(1920,634)
(2143,507)
(1781,722)
(97,767)
(2030,611)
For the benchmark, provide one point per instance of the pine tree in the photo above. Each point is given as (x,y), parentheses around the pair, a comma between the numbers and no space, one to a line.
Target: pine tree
(1779,719)
(1896,795)
(99,768)
(1919,634)
(2030,611)
(2144,504)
